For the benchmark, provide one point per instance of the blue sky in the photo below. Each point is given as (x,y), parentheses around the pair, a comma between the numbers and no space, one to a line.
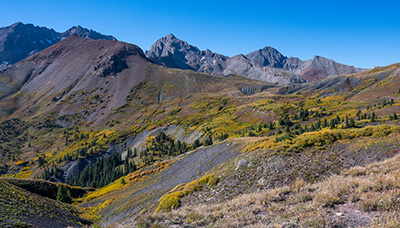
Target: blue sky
(360,33)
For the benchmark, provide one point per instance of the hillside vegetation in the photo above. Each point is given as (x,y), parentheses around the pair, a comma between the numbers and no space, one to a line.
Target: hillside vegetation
(21,208)
(365,196)
(138,138)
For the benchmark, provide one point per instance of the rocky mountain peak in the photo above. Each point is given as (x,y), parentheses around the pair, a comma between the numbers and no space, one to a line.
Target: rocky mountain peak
(170,36)
(20,40)
(16,24)
(170,51)
(86,33)
(268,56)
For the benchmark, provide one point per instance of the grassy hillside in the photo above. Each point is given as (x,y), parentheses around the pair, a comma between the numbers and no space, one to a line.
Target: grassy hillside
(21,208)
(366,196)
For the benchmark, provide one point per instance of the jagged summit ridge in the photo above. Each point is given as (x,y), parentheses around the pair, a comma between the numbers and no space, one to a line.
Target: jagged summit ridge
(86,33)
(170,51)
(266,64)
(20,40)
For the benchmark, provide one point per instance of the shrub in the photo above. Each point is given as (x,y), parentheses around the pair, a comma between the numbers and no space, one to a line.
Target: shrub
(329,136)
(326,199)
(171,200)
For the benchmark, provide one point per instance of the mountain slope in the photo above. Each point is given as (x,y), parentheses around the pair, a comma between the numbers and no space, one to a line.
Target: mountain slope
(169,51)
(71,66)
(21,208)
(75,69)
(319,68)
(19,40)
(241,65)
(364,196)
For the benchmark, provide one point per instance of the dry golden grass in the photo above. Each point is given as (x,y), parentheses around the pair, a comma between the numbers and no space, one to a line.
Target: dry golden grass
(370,190)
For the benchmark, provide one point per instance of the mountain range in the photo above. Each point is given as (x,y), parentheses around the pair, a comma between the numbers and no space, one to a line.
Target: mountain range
(266,64)
(19,40)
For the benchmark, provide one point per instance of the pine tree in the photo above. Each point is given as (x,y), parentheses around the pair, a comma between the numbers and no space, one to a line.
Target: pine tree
(271,126)
(41,161)
(126,165)
(63,194)
(318,125)
(129,153)
(373,117)
(208,141)
(132,167)
(352,123)
(195,144)
(332,124)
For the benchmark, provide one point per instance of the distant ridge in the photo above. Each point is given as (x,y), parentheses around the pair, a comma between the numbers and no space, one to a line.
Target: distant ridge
(266,64)
(20,40)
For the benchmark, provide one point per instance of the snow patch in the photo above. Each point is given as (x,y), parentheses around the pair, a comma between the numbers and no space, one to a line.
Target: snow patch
(49,41)
(42,41)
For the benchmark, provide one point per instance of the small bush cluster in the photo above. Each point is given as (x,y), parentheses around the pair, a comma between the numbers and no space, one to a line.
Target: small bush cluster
(171,200)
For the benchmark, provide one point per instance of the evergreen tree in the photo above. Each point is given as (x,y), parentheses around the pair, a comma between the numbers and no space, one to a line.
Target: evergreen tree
(132,167)
(129,153)
(271,126)
(63,194)
(352,123)
(41,161)
(208,141)
(318,125)
(195,144)
(126,165)
(332,124)
(373,117)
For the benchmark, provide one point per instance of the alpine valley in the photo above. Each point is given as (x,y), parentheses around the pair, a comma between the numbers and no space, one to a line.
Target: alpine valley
(99,133)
